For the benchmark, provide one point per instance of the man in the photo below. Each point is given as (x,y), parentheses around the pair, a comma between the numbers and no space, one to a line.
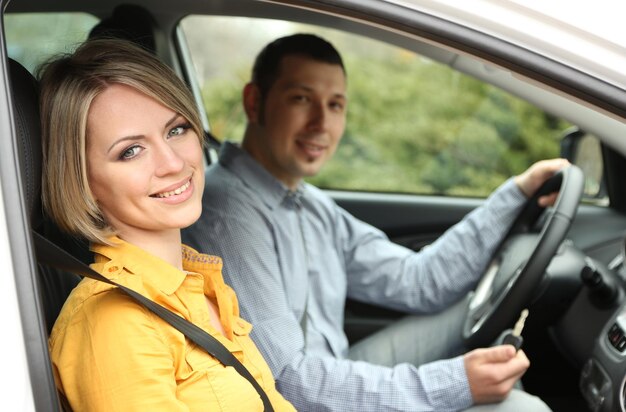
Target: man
(293,256)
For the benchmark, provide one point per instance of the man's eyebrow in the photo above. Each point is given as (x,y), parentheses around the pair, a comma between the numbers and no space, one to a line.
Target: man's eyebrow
(295,85)
(306,88)
(137,137)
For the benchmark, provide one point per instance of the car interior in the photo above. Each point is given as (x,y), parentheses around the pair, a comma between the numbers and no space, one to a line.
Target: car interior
(576,331)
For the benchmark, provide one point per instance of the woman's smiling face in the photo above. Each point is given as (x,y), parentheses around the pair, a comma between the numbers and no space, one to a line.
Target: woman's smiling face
(144,164)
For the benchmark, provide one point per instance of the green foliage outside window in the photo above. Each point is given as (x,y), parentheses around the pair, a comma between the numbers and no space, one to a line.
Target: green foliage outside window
(413,126)
(32,38)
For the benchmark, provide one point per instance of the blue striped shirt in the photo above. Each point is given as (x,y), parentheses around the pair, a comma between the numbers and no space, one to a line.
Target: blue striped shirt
(285,252)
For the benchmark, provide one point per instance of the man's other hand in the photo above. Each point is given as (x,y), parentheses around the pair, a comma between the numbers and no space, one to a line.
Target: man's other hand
(492,372)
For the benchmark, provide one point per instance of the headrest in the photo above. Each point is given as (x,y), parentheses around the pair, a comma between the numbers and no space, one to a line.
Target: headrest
(25,93)
(130,22)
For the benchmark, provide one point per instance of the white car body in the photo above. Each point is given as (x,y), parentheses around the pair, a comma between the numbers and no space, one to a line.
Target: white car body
(588,36)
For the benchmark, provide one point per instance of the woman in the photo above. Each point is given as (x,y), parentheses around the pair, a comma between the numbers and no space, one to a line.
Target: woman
(124,169)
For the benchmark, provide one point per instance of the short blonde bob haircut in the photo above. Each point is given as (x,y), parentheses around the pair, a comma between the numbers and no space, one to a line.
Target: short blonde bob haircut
(69,84)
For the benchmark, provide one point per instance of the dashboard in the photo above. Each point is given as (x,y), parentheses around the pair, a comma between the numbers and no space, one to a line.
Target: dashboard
(594,332)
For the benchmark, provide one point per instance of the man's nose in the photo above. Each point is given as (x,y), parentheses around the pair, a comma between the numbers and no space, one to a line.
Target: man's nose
(318,117)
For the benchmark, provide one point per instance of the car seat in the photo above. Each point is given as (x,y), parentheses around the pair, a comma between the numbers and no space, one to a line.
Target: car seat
(51,286)
(54,285)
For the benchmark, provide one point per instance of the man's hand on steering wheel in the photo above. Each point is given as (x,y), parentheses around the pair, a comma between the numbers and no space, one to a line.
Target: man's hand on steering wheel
(519,264)
(532,179)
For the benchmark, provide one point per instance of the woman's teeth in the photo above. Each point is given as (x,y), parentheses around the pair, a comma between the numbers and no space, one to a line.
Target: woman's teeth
(175,192)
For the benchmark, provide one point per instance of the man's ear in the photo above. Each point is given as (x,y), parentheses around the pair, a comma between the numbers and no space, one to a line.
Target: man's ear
(252,102)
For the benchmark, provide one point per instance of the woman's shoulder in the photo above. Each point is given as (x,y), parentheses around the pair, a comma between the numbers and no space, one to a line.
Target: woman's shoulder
(93,306)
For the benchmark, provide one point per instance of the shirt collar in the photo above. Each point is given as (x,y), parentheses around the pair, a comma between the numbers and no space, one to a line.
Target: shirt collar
(271,190)
(163,275)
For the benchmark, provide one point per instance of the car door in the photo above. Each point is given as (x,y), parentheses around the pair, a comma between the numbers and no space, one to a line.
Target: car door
(24,343)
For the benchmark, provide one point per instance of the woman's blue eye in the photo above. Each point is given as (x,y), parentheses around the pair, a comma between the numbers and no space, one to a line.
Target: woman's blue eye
(179,130)
(130,152)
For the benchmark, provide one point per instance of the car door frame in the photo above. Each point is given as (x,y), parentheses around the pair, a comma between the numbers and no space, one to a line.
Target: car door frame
(32,384)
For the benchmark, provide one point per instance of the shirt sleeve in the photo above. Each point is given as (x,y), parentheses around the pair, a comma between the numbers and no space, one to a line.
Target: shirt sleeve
(331,384)
(382,272)
(310,382)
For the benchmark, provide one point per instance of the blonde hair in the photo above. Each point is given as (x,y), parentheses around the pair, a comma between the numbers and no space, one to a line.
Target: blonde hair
(69,85)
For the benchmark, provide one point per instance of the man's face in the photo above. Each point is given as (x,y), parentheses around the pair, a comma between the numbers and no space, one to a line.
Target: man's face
(303,119)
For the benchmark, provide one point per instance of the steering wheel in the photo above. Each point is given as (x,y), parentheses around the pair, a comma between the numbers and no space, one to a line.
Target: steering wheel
(519,263)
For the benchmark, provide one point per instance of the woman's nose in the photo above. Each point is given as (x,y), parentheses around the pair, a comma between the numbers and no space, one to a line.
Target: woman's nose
(168,160)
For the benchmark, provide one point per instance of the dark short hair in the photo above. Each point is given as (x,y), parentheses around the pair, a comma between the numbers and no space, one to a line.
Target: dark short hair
(267,63)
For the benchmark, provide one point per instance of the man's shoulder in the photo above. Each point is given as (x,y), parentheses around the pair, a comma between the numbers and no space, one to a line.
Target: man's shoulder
(222,185)
(219,178)
(228,201)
